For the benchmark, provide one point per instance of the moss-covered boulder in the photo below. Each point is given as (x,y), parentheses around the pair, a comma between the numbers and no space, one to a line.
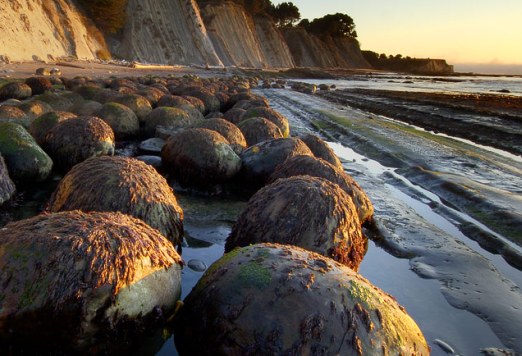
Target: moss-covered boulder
(234,115)
(7,187)
(25,159)
(14,114)
(33,109)
(260,160)
(74,140)
(136,103)
(200,157)
(44,123)
(228,130)
(272,115)
(76,279)
(320,149)
(58,101)
(273,299)
(317,167)
(39,85)
(172,101)
(122,120)
(15,90)
(153,95)
(304,211)
(259,129)
(209,100)
(168,117)
(121,184)
(86,108)
(196,102)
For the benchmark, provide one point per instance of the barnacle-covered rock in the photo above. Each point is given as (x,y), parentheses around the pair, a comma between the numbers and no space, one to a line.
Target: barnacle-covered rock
(121,184)
(122,120)
(259,129)
(272,115)
(304,211)
(43,123)
(260,160)
(200,157)
(165,116)
(73,279)
(15,90)
(317,167)
(228,130)
(271,299)
(320,149)
(74,140)
(7,187)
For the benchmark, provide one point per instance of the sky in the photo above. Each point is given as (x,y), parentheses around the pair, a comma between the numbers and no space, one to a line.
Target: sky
(472,32)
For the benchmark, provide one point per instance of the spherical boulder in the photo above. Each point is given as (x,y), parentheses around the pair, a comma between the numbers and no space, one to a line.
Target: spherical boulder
(153,95)
(271,299)
(260,160)
(317,167)
(309,212)
(15,90)
(320,149)
(228,130)
(167,117)
(234,115)
(25,159)
(33,109)
(122,120)
(259,129)
(136,103)
(172,100)
(86,107)
(39,85)
(200,157)
(121,184)
(74,140)
(13,114)
(75,279)
(272,115)
(59,101)
(42,124)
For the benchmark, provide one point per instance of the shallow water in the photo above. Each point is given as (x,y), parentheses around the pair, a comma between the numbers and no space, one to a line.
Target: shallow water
(456,84)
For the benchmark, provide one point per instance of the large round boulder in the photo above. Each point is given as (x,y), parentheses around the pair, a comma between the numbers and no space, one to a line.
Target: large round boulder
(42,124)
(228,130)
(320,149)
(234,115)
(271,299)
(168,117)
(33,109)
(122,120)
(317,167)
(74,140)
(172,101)
(272,115)
(39,85)
(59,101)
(259,129)
(15,90)
(121,184)
(72,279)
(14,114)
(7,187)
(304,211)
(136,103)
(86,107)
(260,160)
(200,157)
(25,159)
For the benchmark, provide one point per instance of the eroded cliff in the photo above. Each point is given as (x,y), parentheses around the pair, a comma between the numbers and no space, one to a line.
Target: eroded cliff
(45,29)
(309,50)
(165,31)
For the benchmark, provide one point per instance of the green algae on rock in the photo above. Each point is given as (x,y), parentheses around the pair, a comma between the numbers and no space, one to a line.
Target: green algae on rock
(25,159)
(121,184)
(72,279)
(277,299)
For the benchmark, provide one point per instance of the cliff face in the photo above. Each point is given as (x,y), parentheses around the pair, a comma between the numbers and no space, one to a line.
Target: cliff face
(166,31)
(273,45)
(312,51)
(43,29)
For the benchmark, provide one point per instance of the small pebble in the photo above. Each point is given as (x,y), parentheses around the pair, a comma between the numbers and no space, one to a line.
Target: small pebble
(197,265)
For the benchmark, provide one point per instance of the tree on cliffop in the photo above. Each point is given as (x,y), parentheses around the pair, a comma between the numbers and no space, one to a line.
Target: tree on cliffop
(286,14)
(336,25)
